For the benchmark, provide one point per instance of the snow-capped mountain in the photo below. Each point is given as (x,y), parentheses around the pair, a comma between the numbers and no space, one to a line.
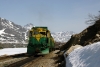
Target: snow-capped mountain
(62,36)
(28,26)
(13,33)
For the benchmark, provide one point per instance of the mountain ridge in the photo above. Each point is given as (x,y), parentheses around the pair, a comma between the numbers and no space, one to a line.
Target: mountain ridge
(14,33)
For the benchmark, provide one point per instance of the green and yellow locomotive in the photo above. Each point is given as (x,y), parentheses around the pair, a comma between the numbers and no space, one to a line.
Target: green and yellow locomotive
(40,41)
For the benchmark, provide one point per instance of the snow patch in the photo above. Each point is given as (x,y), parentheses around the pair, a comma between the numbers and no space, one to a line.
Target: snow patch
(2,31)
(88,56)
(12,35)
(12,51)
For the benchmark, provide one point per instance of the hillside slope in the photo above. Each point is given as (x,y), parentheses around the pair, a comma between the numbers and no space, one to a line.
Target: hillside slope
(86,37)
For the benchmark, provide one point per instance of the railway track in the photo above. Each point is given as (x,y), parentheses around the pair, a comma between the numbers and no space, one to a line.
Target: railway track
(18,60)
(5,57)
(22,62)
(7,60)
(31,61)
(29,64)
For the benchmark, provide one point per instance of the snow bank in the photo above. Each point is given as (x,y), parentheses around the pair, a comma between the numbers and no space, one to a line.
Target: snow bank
(88,56)
(72,48)
(12,51)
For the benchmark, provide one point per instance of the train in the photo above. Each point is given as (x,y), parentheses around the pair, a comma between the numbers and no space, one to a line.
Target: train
(40,41)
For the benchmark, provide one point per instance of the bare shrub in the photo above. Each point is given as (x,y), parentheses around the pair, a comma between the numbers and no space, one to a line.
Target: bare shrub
(93,19)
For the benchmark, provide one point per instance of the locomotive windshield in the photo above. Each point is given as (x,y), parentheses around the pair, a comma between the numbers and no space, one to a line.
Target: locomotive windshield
(43,33)
(36,32)
(33,33)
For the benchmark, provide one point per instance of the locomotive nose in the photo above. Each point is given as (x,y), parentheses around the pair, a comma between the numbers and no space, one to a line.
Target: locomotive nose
(38,36)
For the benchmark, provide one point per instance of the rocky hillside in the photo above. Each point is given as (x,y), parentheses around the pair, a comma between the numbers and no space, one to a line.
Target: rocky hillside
(86,37)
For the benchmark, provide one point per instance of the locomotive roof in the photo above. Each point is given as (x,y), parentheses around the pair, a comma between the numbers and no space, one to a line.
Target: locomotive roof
(40,27)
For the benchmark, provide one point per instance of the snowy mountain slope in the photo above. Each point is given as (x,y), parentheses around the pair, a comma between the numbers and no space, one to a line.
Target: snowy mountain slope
(11,32)
(28,26)
(62,36)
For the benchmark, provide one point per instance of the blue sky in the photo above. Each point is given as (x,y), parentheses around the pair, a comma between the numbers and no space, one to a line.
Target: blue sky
(57,15)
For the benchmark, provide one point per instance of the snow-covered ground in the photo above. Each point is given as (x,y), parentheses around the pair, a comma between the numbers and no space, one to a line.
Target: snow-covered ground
(88,56)
(12,51)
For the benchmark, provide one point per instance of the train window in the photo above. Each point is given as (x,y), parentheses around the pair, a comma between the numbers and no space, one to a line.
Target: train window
(36,32)
(30,33)
(43,33)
